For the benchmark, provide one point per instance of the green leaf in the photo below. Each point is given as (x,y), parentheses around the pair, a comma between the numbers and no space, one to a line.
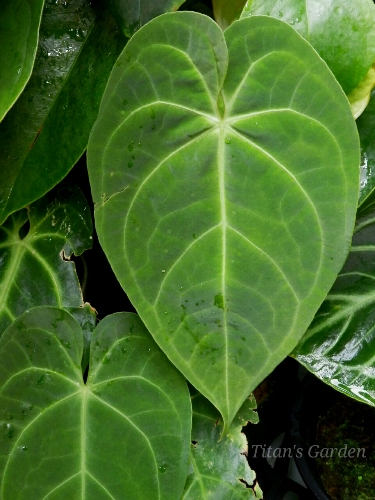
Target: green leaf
(342,31)
(34,270)
(123,434)
(225,195)
(19,29)
(226,12)
(218,467)
(47,130)
(86,318)
(132,14)
(360,96)
(340,344)
(366,127)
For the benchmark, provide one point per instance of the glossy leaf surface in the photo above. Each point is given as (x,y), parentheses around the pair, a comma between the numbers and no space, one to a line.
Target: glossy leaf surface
(342,31)
(225,195)
(19,29)
(226,12)
(218,467)
(132,14)
(123,434)
(47,130)
(339,347)
(86,318)
(366,127)
(33,270)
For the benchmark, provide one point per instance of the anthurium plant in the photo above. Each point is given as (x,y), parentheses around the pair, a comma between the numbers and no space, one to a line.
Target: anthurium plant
(224,168)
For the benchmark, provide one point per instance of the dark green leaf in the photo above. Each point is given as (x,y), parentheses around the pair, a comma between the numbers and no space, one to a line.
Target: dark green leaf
(86,318)
(47,130)
(132,14)
(218,467)
(342,31)
(19,28)
(226,12)
(340,344)
(225,195)
(123,435)
(34,269)
(366,128)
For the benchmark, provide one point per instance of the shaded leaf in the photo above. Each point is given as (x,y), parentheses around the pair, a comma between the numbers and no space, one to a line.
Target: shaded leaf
(342,31)
(132,14)
(218,467)
(47,130)
(34,269)
(366,127)
(339,346)
(226,12)
(225,195)
(360,96)
(125,434)
(86,318)
(19,28)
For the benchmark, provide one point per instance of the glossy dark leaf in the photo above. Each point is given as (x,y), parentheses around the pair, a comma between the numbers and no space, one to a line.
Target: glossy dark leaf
(124,434)
(339,346)
(34,269)
(19,29)
(132,14)
(342,31)
(225,195)
(218,466)
(226,12)
(47,130)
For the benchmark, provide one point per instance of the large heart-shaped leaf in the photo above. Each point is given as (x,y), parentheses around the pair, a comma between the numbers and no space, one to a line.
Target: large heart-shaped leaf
(19,29)
(123,434)
(342,31)
(339,346)
(132,14)
(47,130)
(34,270)
(225,194)
(218,467)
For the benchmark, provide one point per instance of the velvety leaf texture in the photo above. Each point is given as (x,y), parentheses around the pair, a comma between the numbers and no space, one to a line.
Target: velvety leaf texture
(218,467)
(123,434)
(342,31)
(19,29)
(339,346)
(34,247)
(225,176)
(47,130)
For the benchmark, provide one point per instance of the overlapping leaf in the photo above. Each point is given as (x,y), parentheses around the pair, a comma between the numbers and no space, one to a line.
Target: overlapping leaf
(339,347)
(19,29)
(366,127)
(123,434)
(342,31)
(132,14)
(225,195)
(47,130)
(226,12)
(34,269)
(218,467)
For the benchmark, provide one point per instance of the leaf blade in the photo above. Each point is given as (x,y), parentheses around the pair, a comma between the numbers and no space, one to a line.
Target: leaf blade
(191,214)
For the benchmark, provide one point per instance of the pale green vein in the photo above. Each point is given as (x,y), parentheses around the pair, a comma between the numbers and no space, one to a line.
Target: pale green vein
(100,485)
(37,368)
(49,408)
(11,272)
(60,485)
(127,419)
